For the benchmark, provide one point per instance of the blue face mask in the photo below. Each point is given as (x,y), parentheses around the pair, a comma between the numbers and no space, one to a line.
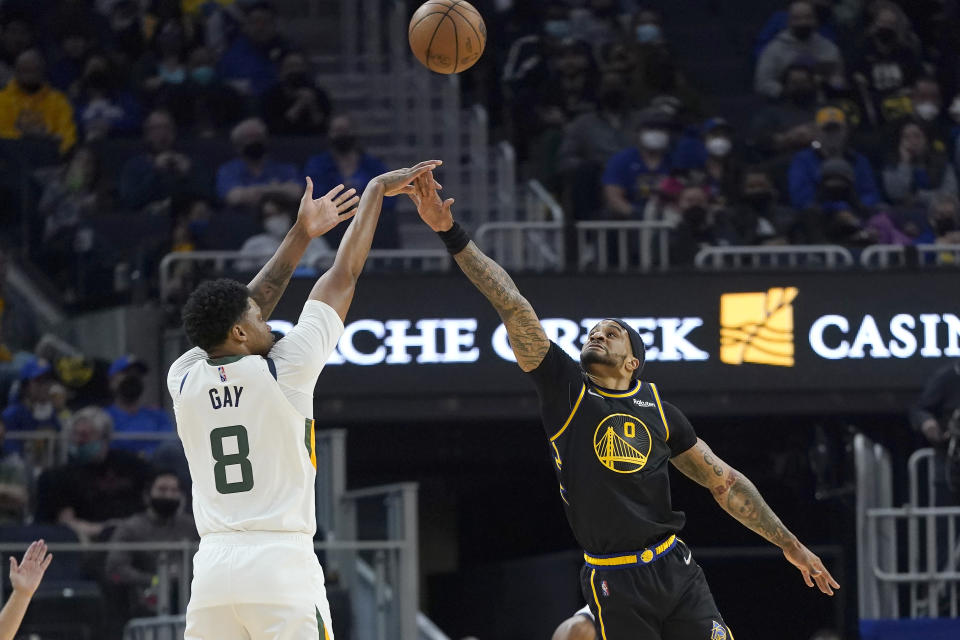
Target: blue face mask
(86,453)
(176,76)
(557,28)
(203,75)
(647,33)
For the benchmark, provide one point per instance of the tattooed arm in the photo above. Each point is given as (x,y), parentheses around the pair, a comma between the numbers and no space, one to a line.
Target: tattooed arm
(734,492)
(527,338)
(314,219)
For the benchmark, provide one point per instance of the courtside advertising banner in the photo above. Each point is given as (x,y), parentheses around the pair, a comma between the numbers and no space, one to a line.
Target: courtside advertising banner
(705,333)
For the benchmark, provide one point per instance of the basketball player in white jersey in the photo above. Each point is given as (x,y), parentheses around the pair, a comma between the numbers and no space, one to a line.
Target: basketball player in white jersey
(244,409)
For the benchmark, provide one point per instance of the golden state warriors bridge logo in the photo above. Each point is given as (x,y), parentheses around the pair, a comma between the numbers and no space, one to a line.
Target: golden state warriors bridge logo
(622,443)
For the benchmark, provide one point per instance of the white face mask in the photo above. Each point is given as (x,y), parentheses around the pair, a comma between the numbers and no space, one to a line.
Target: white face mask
(955,109)
(655,140)
(278,225)
(719,146)
(926,110)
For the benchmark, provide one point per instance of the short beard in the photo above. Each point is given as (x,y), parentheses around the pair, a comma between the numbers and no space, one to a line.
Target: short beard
(604,358)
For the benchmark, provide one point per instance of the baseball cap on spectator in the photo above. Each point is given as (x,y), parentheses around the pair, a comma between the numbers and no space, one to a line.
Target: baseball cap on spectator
(123,363)
(837,167)
(830,116)
(35,368)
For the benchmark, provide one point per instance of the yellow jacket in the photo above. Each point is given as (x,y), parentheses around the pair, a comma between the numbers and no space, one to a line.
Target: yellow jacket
(47,110)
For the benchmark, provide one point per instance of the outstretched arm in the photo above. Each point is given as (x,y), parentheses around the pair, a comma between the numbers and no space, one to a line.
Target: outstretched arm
(527,338)
(734,492)
(25,577)
(314,219)
(336,286)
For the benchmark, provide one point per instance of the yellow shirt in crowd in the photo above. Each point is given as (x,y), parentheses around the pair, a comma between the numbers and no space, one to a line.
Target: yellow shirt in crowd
(47,110)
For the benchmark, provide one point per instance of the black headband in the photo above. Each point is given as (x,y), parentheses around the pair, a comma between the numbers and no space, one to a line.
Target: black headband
(636,345)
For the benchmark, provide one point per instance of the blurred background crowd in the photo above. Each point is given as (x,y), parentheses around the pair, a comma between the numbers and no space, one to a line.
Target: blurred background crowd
(130,129)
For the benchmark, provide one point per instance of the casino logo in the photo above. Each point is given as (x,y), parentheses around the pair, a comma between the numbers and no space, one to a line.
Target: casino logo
(757,327)
(622,443)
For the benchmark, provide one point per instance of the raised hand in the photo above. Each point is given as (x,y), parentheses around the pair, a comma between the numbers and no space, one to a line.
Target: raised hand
(25,577)
(397,182)
(322,214)
(435,212)
(811,567)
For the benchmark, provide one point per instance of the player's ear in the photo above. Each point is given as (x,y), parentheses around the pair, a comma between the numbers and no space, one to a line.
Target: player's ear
(632,364)
(238,333)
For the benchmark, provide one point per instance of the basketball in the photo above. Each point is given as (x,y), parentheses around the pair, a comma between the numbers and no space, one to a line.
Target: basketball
(447,36)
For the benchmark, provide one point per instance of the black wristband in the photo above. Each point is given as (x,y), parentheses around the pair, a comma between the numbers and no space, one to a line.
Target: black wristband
(455,238)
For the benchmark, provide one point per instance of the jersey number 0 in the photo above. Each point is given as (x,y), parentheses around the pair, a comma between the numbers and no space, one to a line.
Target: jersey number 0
(224,460)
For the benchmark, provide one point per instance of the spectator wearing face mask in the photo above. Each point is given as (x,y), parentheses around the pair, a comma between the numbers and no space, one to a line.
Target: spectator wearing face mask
(837,214)
(653,68)
(927,109)
(805,176)
(165,63)
(295,106)
(161,172)
(942,223)
(163,520)
(31,108)
(918,172)
(786,124)
(590,140)
(278,213)
(780,21)
(799,40)
(632,175)
(348,164)
(701,225)
(712,161)
(104,108)
(250,63)
(757,218)
(202,104)
(886,67)
(98,486)
(243,181)
(32,410)
(128,411)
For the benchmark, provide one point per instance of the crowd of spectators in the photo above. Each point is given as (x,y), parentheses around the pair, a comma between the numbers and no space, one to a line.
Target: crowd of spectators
(178,122)
(150,120)
(68,473)
(850,137)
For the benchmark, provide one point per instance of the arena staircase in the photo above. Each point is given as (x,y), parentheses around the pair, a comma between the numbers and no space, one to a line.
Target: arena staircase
(404,113)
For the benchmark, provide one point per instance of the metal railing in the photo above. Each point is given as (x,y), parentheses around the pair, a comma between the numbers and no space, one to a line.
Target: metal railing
(622,246)
(884,256)
(524,245)
(932,572)
(775,257)
(425,260)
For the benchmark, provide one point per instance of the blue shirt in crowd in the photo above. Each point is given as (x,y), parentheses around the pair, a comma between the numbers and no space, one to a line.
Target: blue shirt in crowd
(245,61)
(805,179)
(322,168)
(151,420)
(19,417)
(628,170)
(236,173)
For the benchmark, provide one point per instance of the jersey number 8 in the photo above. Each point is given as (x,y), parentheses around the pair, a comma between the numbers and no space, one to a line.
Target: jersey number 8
(224,460)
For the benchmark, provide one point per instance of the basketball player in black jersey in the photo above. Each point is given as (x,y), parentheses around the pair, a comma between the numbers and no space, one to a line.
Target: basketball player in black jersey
(610,436)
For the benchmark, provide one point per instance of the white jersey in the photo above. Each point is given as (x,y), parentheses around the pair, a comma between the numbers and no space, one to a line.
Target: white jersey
(247,429)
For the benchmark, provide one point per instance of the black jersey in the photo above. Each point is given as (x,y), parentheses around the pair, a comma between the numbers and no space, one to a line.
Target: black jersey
(611,452)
